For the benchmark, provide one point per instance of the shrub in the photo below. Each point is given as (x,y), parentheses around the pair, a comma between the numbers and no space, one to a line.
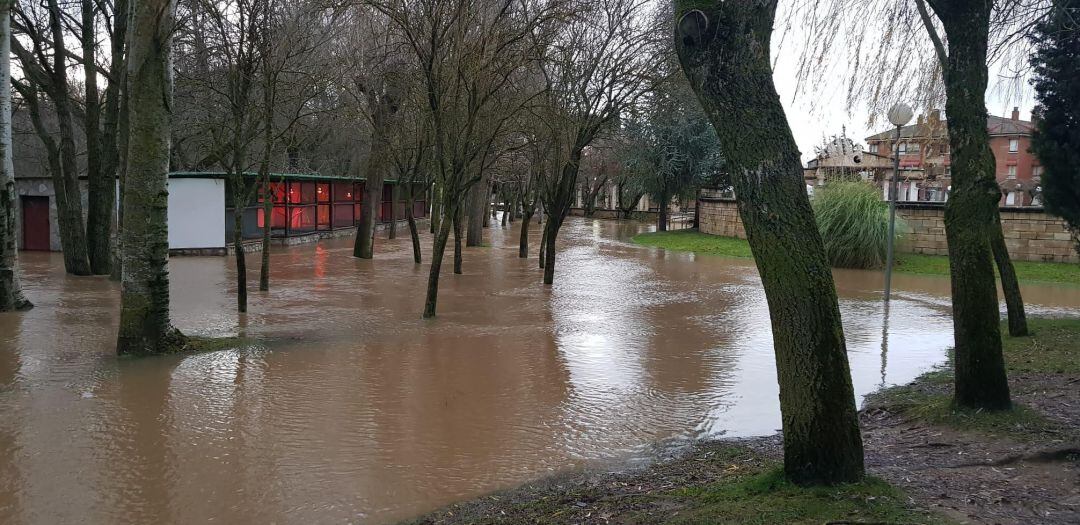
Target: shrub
(854,223)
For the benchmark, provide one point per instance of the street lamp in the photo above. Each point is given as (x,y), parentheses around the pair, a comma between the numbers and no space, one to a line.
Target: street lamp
(899,116)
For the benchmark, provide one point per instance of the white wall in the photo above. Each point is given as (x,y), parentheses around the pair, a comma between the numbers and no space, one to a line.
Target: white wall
(196,213)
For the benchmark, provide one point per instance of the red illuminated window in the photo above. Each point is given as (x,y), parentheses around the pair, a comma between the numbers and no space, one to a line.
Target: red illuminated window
(343,192)
(324,215)
(302,218)
(358,192)
(343,215)
(294,193)
(322,190)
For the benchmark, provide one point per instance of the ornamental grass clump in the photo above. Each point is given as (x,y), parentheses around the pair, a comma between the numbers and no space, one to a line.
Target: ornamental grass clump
(854,224)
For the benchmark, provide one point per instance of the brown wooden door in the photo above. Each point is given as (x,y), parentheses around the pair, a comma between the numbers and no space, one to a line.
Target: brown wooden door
(35,223)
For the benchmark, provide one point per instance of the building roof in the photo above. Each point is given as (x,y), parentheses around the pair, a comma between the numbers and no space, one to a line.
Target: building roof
(313,177)
(994,124)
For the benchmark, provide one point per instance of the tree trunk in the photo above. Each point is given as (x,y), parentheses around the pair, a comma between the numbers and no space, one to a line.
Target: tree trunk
(373,184)
(474,234)
(112,126)
(101,184)
(144,296)
(11,295)
(506,212)
(437,250)
(551,232)
(523,240)
(391,229)
(413,233)
(458,234)
(543,245)
(1010,286)
(971,210)
(241,258)
(725,54)
(662,216)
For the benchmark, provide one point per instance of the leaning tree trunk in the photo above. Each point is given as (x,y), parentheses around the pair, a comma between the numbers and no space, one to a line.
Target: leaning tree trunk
(411,219)
(1010,286)
(438,249)
(11,296)
(144,296)
(725,54)
(971,209)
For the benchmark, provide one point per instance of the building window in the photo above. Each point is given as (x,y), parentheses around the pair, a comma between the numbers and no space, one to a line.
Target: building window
(1036,171)
(1014,145)
(903,148)
(913,147)
(1012,172)
(1010,199)
(874,148)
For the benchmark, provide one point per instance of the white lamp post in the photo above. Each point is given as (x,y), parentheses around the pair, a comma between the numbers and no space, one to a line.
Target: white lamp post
(899,116)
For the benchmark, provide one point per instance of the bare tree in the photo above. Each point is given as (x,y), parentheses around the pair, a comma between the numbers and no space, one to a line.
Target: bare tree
(602,60)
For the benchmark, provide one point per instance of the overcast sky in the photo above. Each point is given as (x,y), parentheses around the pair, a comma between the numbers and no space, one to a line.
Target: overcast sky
(825,113)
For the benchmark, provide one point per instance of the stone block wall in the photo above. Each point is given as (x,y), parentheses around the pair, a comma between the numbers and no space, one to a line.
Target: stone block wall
(1030,233)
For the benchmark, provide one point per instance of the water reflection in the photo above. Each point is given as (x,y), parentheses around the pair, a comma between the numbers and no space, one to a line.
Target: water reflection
(356,410)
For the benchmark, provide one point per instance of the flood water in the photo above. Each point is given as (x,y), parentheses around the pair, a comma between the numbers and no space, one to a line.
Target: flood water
(354,410)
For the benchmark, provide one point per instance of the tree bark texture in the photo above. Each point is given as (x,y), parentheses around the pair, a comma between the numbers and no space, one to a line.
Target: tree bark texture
(724,50)
(438,249)
(144,310)
(523,240)
(11,295)
(101,184)
(972,209)
(414,234)
(241,257)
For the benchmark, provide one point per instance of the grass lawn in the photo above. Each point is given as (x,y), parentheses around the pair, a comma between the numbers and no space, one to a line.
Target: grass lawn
(694,241)
(1053,350)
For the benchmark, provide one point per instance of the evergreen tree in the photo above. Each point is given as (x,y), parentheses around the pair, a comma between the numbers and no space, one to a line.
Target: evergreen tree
(1056,62)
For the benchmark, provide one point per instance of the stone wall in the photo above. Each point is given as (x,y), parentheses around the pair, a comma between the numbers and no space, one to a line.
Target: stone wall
(1030,233)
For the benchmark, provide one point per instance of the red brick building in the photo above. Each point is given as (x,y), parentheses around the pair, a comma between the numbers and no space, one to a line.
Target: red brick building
(924,157)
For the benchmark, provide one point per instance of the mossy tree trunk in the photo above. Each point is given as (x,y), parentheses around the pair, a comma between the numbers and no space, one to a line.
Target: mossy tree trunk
(11,295)
(972,210)
(724,50)
(144,311)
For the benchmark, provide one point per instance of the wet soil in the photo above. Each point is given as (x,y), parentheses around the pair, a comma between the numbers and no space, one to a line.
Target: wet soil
(977,477)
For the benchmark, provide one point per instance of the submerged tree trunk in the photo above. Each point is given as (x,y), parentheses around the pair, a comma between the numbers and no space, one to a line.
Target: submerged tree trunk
(551,231)
(385,108)
(523,240)
(144,296)
(971,209)
(241,257)
(11,295)
(458,219)
(543,245)
(413,233)
(438,249)
(391,229)
(474,228)
(725,54)
(1010,286)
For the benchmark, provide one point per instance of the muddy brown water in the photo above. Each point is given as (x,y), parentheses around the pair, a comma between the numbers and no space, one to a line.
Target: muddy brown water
(354,410)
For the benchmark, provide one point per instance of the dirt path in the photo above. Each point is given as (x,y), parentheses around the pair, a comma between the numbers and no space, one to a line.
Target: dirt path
(978,477)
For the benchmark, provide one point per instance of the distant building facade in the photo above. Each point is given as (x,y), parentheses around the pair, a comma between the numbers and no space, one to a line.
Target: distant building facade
(925,160)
